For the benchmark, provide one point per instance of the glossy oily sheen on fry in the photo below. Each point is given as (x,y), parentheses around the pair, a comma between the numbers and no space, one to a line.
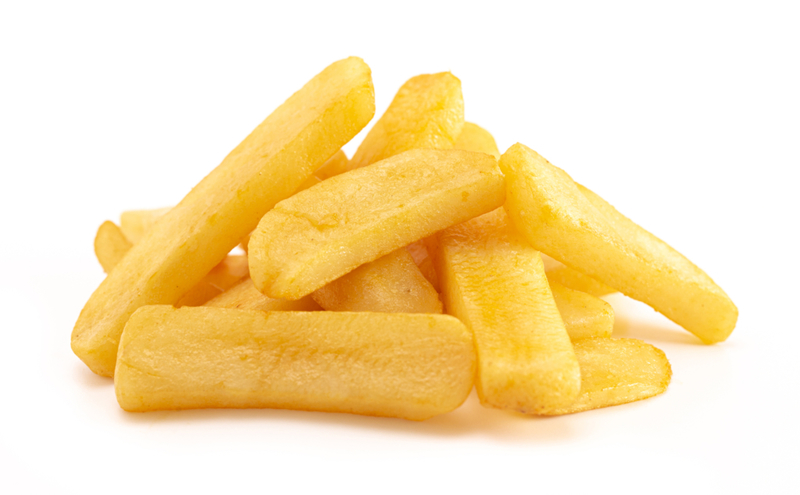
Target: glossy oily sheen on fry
(379,364)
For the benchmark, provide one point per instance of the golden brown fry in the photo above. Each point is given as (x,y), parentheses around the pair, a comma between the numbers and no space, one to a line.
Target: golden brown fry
(584,315)
(194,236)
(322,233)
(110,245)
(617,371)
(494,282)
(578,228)
(246,296)
(379,364)
(390,284)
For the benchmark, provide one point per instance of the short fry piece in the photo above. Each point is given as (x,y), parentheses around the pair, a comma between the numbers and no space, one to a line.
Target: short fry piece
(246,296)
(617,371)
(191,238)
(494,282)
(337,164)
(427,112)
(110,245)
(135,223)
(560,273)
(390,284)
(379,364)
(584,315)
(222,277)
(579,229)
(475,138)
(322,233)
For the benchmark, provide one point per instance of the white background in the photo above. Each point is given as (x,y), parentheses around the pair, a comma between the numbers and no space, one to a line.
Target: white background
(686,116)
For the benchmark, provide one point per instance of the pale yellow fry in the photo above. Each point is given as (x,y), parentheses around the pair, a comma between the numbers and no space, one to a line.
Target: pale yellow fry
(222,277)
(331,229)
(110,245)
(194,236)
(135,223)
(246,296)
(426,113)
(337,164)
(560,273)
(494,282)
(584,315)
(379,364)
(390,284)
(475,138)
(579,229)
(617,371)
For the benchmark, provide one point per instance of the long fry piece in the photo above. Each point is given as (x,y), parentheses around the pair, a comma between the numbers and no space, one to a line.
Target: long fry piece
(617,371)
(194,236)
(322,233)
(579,229)
(246,296)
(494,282)
(379,364)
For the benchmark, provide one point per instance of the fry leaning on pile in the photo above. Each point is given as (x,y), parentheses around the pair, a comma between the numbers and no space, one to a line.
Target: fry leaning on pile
(389,284)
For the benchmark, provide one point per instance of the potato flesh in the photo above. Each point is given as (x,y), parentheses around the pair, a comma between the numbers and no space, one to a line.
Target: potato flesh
(322,233)
(475,138)
(579,229)
(379,364)
(494,282)
(194,236)
(135,223)
(390,284)
(584,315)
(337,164)
(426,113)
(560,273)
(110,245)
(617,371)
(246,296)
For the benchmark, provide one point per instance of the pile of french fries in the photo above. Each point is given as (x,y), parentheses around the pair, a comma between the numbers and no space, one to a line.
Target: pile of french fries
(388,284)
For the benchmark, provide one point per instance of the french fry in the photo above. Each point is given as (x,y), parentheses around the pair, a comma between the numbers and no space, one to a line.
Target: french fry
(617,371)
(419,252)
(110,245)
(337,164)
(379,364)
(194,236)
(494,282)
(390,284)
(560,273)
(584,315)
(475,138)
(222,277)
(426,113)
(322,233)
(135,223)
(579,229)
(246,296)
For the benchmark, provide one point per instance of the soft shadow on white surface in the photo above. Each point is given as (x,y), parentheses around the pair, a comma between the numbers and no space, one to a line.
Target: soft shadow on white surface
(635,320)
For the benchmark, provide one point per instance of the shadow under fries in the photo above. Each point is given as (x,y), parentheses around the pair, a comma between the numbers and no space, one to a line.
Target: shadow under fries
(470,419)
(636,320)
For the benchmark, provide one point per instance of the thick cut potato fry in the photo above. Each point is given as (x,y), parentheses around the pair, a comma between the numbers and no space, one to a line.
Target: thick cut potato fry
(475,138)
(494,282)
(110,245)
(617,371)
(579,229)
(194,236)
(245,296)
(560,273)
(424,262)
(222,277)
(337,164)
(426,113)
(135,223)
(390,284)
(584,315)
(379,364)
(329,230)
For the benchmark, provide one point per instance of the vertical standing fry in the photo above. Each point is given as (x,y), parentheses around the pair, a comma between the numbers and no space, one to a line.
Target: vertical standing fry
(398,365)
(494,282)
(190,239)
(579,229)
